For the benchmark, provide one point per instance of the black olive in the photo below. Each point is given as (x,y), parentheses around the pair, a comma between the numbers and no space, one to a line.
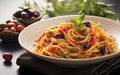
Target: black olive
(59,35)
(24,15)
(103,50)
(18,14)
(26,9)
(31,13)
(85,45)
(87,24)
(36,14)
(32,17)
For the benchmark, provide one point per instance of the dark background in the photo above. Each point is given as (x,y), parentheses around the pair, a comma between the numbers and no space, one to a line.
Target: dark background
(7,7)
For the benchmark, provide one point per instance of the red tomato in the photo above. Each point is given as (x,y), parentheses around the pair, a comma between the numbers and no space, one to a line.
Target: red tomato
(7,56)
(102,38)
(20,28)
(64,28)
(82,52)
(52,50)
(9,25)
(93,41)
(41,36)
(92,55)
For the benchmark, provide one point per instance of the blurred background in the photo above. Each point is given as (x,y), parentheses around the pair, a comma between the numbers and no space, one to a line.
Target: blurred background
(8,7)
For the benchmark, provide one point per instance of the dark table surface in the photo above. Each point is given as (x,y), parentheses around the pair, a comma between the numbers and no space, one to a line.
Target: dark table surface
(6,9)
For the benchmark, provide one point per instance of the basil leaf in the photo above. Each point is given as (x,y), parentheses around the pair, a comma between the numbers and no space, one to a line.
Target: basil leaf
(78,22)
(78,27)
(81,18)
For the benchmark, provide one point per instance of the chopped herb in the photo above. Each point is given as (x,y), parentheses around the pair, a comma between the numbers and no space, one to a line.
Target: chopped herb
(78,27)
(77,38)
(61,54)
(109,39)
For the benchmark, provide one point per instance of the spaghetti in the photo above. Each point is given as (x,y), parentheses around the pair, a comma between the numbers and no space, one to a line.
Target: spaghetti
(65,41)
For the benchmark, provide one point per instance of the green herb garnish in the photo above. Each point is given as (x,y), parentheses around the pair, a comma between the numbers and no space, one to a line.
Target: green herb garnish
(77,38)
(78,22)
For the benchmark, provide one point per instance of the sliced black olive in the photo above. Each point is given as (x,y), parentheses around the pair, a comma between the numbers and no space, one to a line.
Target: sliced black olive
(103,50)
(59,35)
(85,45)
(87,24)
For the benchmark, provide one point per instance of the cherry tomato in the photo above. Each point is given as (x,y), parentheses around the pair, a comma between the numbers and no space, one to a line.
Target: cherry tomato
(7,56)
(9,25)
(13,29)
(20,28)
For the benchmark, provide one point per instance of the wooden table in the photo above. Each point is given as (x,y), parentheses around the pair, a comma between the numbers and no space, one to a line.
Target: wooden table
(7,8)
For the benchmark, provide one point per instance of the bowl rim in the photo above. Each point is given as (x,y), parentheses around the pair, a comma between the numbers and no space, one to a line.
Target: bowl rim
(64,59)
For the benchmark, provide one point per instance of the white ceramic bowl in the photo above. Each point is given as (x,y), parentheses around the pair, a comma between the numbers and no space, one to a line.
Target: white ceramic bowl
(28,36)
